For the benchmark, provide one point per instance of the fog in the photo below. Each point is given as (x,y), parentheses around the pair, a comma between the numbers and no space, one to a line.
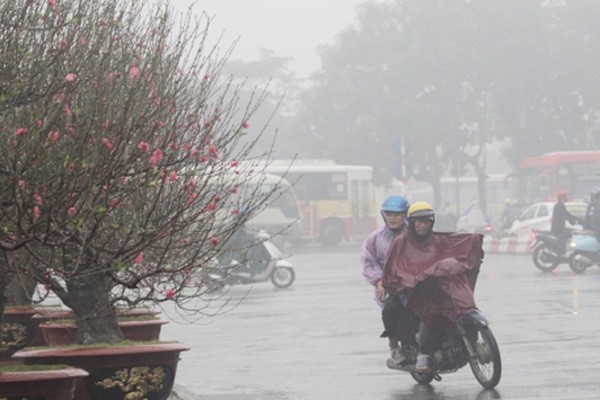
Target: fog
(471,87)
(425,92)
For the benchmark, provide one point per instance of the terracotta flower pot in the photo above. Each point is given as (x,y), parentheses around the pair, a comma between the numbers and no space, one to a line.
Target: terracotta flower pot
(60,334)
(44,314)
(141,371)
(54,384)
(19,330)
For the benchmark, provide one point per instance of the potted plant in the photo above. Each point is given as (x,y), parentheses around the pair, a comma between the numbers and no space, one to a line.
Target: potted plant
(56,382)
(121,146)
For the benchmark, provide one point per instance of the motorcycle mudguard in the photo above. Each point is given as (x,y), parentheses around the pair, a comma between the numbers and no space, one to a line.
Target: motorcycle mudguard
(587,243)
(475,318)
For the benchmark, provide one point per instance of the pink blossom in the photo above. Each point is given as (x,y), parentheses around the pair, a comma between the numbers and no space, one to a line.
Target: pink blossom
(134,72)
(236,211)
(214,240)
(20,131)
(213,151)
(38,199)
(52,4)
(203,158)
(72,211)
(21,184)
(144,147)
(156,157)
(217,197)
(54,135)
(211,207)
(39,123)
(173,176)
(140,258)
(70,77)
(106,143)
(245,125)
(169,294)
(36,212)
(67,111)
(194,152)
(234,164)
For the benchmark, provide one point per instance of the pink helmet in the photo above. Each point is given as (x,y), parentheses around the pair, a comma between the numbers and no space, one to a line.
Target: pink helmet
(562,195)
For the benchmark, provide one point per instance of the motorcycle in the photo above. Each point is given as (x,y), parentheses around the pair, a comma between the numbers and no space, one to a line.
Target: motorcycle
(265,263)
(468,341)
(548,251)
(584,251)
(439,291)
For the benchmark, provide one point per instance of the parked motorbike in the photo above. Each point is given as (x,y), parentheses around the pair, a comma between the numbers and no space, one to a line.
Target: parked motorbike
(584,251)
(548,251)
(265,263)
(469,341)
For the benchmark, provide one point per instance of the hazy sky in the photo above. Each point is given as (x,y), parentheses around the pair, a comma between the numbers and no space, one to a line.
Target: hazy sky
(290,28)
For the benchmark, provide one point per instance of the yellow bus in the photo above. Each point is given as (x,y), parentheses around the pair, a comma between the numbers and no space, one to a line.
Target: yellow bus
(336,201)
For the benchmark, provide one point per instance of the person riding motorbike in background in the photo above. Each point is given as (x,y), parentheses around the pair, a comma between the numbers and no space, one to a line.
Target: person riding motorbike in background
(591,220)
(375,247)
(471,219)
(436,273)
(560,215)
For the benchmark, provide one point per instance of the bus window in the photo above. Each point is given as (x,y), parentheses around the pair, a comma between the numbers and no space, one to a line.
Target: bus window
(336,201)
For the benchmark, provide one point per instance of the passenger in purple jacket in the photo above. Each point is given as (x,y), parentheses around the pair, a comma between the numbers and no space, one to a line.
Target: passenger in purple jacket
(373,259)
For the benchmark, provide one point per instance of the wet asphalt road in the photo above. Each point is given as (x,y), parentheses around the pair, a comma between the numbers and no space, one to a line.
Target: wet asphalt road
(319,338)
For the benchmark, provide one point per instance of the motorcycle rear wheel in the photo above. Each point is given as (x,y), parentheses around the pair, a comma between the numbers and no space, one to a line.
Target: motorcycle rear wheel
(283,277)
(540,260)
(487,366)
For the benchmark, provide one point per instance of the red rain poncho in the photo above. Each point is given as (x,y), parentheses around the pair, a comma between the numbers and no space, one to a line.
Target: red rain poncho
(452,259)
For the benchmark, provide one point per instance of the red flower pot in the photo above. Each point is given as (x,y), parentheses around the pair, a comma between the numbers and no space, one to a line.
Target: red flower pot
(55,384)
(60,334)
(145,371)
(19,330)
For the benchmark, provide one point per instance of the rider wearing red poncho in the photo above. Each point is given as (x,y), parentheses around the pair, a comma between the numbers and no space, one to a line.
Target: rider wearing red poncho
(436,272)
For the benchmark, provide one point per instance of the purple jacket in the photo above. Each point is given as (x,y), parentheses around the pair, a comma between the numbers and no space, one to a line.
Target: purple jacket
(374,253)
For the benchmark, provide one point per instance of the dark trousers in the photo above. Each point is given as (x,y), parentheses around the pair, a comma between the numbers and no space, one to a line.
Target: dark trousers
(399,321)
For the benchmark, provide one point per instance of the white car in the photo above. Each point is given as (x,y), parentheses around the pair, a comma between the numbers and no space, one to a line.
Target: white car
(539,216)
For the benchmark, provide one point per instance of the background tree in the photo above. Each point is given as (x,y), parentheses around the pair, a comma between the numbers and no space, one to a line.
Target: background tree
(452,77)
(121,145)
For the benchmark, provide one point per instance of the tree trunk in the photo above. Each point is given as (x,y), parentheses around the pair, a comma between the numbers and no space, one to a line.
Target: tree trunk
(3,284)
(95,315)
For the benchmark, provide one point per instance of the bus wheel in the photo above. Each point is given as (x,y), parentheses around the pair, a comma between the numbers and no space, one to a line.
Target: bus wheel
(331,233)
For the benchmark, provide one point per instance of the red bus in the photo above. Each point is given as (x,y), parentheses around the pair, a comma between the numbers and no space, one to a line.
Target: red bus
(540,178)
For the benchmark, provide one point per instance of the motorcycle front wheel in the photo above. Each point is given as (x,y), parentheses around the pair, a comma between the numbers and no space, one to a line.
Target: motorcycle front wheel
(578,266)
(283,277)
(423,379)
(542,261)
(487,365)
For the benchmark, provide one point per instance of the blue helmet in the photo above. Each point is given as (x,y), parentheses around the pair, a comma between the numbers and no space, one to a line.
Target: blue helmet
(395,204)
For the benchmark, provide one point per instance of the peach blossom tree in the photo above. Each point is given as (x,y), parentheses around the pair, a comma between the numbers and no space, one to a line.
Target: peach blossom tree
(121,146)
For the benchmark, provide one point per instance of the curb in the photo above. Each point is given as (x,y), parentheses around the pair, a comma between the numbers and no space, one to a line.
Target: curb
(507,245)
